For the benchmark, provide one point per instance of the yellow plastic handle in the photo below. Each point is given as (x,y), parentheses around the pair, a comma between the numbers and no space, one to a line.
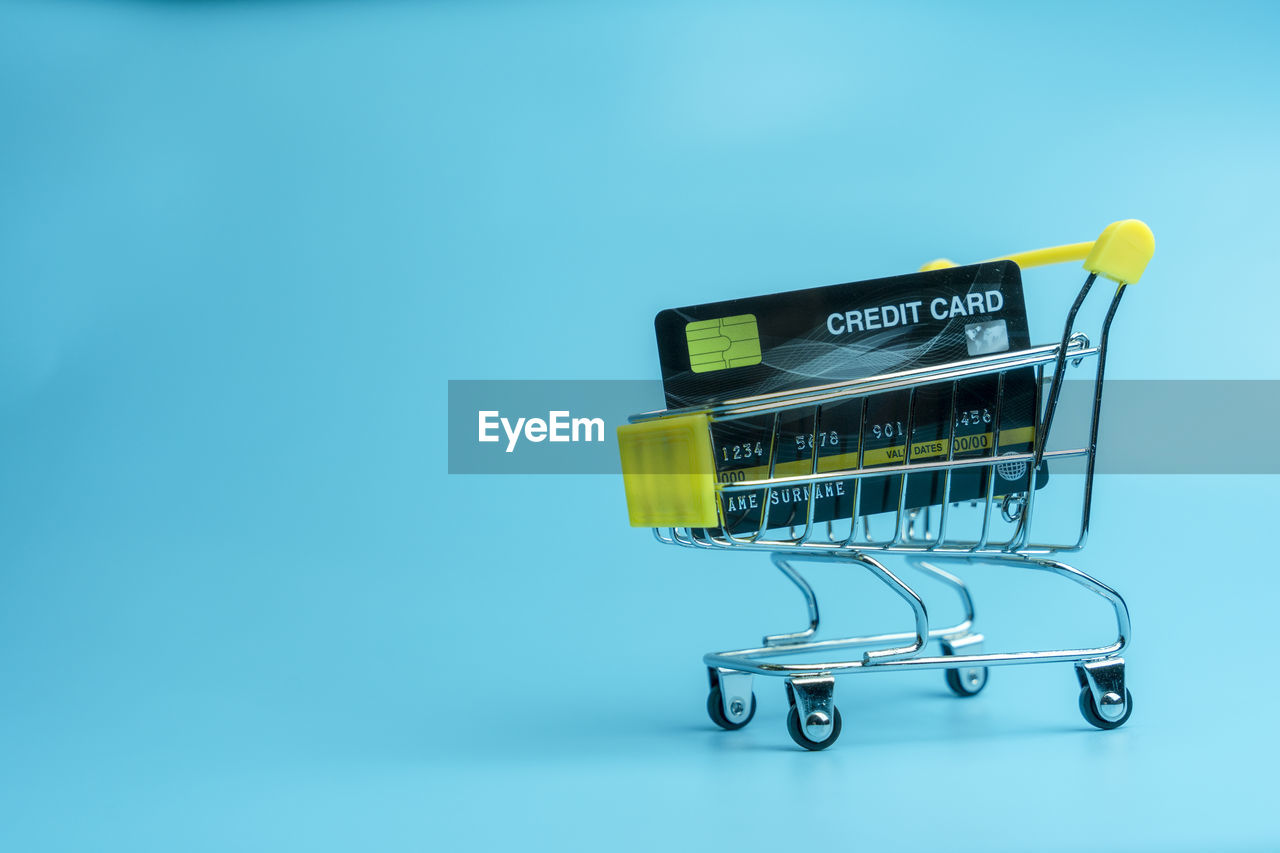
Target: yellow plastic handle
(1120,253)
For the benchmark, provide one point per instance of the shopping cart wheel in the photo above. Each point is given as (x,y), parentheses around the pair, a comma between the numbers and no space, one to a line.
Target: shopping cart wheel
(715,710)
(1089,710)
(966,681)
(797,733)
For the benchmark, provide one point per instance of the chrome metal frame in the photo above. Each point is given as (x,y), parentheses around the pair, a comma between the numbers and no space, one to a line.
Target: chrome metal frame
(1006,540)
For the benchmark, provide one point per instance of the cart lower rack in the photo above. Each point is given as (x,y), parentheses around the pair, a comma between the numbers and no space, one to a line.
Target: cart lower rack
(672,486)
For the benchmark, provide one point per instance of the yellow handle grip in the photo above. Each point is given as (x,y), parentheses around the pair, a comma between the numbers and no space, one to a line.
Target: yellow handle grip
(1120,253)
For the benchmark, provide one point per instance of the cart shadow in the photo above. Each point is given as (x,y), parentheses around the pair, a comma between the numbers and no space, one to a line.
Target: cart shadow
(735,742)
(933,727)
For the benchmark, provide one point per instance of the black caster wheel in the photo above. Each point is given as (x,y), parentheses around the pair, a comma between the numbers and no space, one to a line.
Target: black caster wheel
(968,681)
(715,710)
(1089,710)
(798,735)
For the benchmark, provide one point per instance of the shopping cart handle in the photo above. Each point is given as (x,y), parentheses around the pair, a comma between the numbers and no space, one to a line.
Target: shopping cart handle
(1120,253)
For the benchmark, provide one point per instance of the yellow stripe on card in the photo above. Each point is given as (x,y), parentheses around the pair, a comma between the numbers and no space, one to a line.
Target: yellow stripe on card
(920,451)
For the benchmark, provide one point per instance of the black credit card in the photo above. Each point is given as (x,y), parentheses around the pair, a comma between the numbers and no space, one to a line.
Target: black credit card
(788,341)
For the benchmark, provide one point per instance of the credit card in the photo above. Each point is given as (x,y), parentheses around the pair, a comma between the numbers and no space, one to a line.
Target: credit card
(743,347)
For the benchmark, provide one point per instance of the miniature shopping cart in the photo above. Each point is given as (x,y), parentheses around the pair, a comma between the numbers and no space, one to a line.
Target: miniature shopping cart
(672,486)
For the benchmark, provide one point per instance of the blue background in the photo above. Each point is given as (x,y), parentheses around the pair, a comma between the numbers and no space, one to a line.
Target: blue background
(242,248)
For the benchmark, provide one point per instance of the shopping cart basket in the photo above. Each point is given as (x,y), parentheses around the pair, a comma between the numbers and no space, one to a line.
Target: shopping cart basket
(672,486)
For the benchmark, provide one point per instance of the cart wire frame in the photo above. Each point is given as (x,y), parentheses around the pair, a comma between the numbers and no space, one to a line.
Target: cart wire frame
(924,537)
